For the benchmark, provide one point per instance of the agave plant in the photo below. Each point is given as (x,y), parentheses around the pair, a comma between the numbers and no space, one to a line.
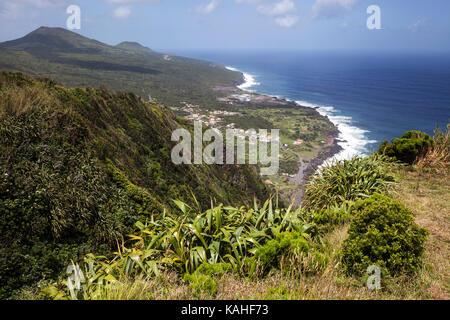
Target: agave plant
(218,235)
(347,180)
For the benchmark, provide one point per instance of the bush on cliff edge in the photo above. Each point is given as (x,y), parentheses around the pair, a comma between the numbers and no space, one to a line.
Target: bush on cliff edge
(383,233)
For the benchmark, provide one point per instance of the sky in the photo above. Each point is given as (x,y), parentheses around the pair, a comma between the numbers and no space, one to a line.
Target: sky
(406,25)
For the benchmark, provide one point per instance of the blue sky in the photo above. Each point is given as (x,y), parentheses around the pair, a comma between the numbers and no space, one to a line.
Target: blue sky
(418,25)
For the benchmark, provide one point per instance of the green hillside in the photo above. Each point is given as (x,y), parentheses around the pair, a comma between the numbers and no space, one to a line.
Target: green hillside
(79,167)
(73,60)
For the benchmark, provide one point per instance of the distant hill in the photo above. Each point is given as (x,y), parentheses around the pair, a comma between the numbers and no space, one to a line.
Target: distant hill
(51,41)
(134,47)
(78,168)
(74,60)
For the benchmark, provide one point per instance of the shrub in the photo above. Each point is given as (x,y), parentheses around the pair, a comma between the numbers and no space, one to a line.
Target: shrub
(284,245)
(326,219)
(59,195)
(203,245)
(201,283)
(277,293)
(383,233)
(146,204)
(408,148)
(346,180)
(204,279)
(438,156)
(218,269)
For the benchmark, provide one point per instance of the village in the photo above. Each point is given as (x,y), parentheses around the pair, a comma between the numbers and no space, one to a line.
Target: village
(213,120)
(298,153)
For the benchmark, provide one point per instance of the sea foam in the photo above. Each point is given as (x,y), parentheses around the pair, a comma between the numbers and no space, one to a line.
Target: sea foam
(249,80)
(353,139)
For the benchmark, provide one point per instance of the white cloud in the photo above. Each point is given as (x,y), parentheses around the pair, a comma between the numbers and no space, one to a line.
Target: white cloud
(132,1)
(207,8)
(278,8)
(122,12)
(287,21)
(284,12)
(331,8)
(248,1)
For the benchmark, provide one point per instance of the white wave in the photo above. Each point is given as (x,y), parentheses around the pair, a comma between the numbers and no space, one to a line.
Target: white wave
(353,139)
(249,80)
(232,69)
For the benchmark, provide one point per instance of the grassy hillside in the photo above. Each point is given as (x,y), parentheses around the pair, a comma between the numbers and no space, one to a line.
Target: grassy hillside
(177,82)
(73,60)
(79,167)
(379,212)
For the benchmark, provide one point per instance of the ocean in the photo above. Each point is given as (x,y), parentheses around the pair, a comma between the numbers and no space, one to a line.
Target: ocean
(369,97)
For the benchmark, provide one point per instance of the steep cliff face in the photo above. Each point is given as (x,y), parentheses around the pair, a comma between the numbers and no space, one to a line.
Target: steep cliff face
(78,167)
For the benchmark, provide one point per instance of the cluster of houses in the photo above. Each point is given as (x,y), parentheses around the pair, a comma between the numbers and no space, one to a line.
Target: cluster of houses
(255,136)
(225,113)
(213,121)
(242,97)
(210,120)
(238,98)
(189,108)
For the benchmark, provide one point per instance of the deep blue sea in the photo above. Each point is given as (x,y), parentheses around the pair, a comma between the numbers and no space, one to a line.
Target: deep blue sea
(370,97)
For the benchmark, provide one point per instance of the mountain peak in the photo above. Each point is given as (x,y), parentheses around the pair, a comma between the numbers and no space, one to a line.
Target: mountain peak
(130,43)
(48,39)
(133,46)
(50,30)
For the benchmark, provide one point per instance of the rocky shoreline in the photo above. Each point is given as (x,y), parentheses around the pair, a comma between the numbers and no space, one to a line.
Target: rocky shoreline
(305,171)
(308,169)
(324,155)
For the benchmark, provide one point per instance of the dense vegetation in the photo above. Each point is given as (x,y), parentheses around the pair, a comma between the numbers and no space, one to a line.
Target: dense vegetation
(407,149)
(437,157)
(219,239)
(201,248)
(89,171)
(79,167)
(383,233)
(347,180)
(73,60)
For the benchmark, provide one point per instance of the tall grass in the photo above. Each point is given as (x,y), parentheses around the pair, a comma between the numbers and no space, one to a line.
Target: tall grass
(18,101)
(347,180)
(437,156)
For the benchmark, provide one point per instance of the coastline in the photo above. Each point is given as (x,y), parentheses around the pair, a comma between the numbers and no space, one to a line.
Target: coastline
(247,80)
(351,138)
(336,149)
(327,153)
